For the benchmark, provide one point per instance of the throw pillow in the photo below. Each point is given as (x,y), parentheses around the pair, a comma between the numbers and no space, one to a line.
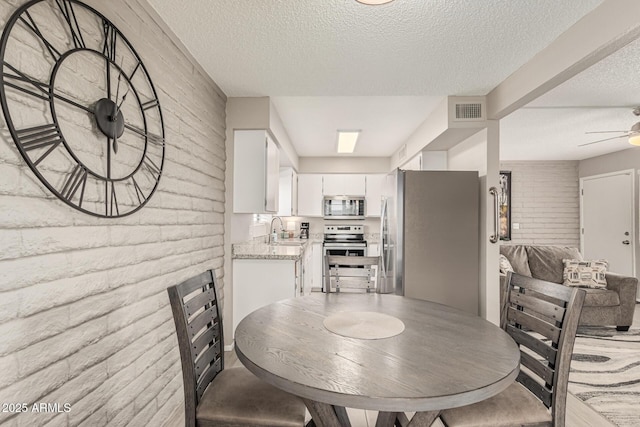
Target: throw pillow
(585,274)
(517,256)
(505,265)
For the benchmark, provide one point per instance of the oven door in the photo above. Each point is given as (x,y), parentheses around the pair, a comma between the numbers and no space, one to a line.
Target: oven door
(341,249)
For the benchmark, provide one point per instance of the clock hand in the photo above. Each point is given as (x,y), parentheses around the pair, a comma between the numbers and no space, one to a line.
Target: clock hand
(115,142)
(115,139)
(114,119)
(123,98)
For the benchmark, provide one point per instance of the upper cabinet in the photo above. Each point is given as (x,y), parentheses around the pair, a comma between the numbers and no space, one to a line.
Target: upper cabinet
(313,187)
(288,194)
(415,164)
(344,185)
(374,194)
(310,195)
(256,172)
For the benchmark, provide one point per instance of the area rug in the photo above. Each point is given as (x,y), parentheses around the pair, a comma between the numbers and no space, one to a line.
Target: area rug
(605,372)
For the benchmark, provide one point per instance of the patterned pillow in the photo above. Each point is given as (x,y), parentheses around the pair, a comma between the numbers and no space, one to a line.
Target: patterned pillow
(585,274)
(505,265)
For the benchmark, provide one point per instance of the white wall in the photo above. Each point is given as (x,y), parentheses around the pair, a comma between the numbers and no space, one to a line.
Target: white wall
(613,162)
(545,202)
(84,314)
(480,153)
(470,154)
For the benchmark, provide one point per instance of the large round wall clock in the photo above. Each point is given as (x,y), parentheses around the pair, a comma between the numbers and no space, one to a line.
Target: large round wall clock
(81,107)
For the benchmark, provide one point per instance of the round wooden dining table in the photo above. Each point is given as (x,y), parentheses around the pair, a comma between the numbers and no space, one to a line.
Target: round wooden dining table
(385,353)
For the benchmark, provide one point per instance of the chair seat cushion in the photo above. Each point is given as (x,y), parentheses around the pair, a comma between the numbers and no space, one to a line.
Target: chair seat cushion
(514,406)
(237,397)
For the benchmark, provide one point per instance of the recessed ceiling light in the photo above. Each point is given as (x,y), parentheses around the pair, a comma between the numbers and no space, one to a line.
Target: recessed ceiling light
(374,2)
(347,140)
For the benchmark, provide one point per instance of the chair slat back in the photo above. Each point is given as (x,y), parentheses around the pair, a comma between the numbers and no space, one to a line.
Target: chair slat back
(542,317)
(194,304)
(343,272)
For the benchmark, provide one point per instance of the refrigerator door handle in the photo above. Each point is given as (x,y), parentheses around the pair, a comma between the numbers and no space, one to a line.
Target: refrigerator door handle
(383,218)
(496,218)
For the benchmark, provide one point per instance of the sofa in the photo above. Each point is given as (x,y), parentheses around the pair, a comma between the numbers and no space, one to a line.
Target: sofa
(610,306)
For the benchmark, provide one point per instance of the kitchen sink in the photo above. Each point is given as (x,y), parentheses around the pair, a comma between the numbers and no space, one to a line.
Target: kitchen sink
(287,243)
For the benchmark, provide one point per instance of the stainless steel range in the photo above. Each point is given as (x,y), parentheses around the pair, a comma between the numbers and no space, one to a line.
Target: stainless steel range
(345,240)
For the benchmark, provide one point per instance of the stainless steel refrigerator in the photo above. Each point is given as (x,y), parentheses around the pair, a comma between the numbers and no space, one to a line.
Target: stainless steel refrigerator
(430,237)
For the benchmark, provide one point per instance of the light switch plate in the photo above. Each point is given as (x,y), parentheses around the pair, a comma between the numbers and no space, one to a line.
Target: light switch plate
(516,226)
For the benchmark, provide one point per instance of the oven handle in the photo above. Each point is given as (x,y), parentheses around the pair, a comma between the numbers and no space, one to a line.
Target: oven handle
(342,245)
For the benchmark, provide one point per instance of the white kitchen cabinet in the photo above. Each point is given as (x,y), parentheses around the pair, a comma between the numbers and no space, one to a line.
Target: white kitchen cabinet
(260,282)
(374,194)
(256,173)
(307,270)
(344,185)
(288,193)
(317,262)
(309,195)
(415,164)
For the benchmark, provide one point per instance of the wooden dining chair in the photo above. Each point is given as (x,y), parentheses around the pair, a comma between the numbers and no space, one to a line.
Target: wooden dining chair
(354,273)
(215,396)
(542,318)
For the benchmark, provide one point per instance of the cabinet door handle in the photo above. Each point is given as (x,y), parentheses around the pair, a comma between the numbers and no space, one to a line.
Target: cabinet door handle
(626,242)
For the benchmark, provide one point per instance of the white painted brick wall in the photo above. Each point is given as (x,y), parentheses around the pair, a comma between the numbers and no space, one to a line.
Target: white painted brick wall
(84,314)
(545,202)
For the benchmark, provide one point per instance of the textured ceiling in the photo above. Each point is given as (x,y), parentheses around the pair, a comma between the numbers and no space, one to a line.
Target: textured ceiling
(412,50)
(385,121)
(600,98)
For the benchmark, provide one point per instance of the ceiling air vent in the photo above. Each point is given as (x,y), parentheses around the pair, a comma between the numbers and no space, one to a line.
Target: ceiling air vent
(469,111)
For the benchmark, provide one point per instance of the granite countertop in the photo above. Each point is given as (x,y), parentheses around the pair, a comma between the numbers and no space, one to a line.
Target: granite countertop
(285,249)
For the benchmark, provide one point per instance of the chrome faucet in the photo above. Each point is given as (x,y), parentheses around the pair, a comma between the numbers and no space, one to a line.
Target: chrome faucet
(271,227)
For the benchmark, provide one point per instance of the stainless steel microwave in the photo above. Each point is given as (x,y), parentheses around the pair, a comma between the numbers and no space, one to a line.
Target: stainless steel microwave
(343,207)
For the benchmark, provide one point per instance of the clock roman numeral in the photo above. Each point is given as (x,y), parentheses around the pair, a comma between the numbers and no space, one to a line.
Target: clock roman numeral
(39,137)
(111,200)
(66,8)
(138,190)
(150,104)
(154,139)
(110,39)
(135,70)
(149,166)
(77,178)
(35,88)
(30,24)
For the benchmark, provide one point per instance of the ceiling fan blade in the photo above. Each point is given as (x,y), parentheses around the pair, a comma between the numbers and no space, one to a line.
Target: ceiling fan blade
(608,131)
(603,140)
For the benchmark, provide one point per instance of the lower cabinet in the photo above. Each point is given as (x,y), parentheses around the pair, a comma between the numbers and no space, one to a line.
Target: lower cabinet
(260,282)
(317,260)
(307,271)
